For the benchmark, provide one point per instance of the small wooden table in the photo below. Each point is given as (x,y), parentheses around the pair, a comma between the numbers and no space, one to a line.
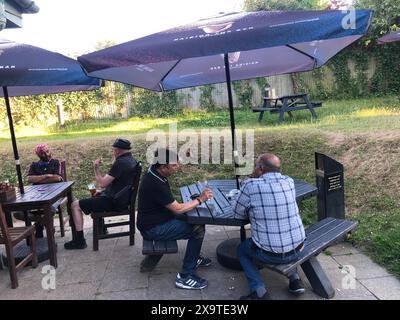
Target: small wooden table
(41,197)
(287,104)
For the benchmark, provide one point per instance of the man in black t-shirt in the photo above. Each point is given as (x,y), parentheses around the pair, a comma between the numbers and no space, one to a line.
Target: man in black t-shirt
(158,213)
(47,169)
(121,174)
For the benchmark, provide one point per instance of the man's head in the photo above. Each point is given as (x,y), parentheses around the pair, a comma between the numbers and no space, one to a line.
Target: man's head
(43,152)
(166,162)
(265,163)
(121,146)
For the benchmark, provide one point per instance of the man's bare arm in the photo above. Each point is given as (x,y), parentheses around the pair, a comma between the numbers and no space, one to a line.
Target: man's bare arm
(103,181)
(180,208)
(45,178)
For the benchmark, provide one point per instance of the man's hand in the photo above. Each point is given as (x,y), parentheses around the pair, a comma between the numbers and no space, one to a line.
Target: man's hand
(206,195)
(96,163)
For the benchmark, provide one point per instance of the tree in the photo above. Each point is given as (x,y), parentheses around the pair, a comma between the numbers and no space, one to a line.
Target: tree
(257,5)
(386,15)
(104,44)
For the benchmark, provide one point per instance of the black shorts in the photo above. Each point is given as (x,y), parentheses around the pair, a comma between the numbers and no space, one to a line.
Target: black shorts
(96,204)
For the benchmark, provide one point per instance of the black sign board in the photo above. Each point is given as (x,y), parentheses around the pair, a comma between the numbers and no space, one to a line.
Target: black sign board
(330,184)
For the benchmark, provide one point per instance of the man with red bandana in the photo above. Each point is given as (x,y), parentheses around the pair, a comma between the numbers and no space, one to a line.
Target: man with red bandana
(47,169)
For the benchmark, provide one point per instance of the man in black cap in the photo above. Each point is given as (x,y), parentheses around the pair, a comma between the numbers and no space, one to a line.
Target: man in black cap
(160,218)
(121,174)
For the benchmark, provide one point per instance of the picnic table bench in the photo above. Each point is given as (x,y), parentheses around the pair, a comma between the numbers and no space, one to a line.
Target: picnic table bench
(287,103)
(153,247)
(217,211)
(321,235)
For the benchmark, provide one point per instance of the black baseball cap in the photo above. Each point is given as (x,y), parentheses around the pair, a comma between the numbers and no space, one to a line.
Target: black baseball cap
(122,144)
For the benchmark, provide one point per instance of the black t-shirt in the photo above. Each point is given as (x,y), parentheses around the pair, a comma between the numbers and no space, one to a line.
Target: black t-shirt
(45,167)
(154,194)
(124,171)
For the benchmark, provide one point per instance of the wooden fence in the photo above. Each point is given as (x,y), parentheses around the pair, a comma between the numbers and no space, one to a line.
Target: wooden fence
(191,97)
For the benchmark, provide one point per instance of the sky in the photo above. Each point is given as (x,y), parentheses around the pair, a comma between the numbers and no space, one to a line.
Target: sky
(73,27)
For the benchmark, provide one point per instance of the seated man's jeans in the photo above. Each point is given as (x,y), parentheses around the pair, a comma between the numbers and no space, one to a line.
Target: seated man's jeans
(250,256)
(176,230)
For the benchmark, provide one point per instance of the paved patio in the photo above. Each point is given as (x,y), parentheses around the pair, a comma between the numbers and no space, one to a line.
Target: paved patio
(113,273)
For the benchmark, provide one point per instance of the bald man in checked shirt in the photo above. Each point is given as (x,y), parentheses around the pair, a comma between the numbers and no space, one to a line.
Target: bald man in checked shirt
(268,200)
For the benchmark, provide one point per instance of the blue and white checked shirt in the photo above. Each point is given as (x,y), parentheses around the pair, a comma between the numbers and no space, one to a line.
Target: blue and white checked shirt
(269,202)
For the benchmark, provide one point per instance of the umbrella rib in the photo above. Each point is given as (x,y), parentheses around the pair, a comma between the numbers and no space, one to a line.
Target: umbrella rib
(303,53)
(166,75)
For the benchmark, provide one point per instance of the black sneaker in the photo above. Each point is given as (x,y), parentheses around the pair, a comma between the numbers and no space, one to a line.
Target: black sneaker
(75,244)
(203,262)
(296,287)
(191,282)
(254,296)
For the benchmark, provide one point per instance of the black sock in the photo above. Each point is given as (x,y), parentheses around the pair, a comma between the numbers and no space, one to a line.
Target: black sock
(79,236)
(183,275)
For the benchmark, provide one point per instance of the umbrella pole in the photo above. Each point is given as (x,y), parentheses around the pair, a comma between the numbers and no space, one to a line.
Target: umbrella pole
(232,118)
(13,140)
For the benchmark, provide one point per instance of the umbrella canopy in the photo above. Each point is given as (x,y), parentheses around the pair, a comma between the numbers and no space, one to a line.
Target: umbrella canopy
(27,70)
(229,47)
(260,44)
(390,37)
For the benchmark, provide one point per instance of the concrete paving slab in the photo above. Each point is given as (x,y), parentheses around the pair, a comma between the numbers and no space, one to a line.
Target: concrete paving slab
(224,284)
(328,262)
(85,272)
(122,277)
(346,286)
(215,233)
(136,294)
(76,291)
(27,290)
(282,293)
(385,288)
(343,248)
(124,253)
(169,263)
(362,266)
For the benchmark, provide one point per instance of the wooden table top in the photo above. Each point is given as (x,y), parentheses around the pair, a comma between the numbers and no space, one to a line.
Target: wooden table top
(39,194)
(219,211)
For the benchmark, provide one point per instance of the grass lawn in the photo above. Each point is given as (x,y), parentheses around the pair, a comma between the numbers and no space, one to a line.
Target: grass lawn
(362,134)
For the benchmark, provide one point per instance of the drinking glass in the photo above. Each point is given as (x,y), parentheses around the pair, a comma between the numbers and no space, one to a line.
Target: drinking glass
(204,185)
(92,189)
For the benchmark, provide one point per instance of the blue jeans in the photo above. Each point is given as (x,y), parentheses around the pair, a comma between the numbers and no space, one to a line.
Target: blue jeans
(176,230)
(250,256)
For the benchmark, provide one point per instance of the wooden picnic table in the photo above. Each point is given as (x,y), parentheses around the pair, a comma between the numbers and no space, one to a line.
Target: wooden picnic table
(219,211)
(287,103)
(41,197)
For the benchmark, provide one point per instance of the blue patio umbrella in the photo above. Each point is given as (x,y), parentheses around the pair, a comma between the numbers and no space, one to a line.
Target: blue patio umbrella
(27,70)
(227,47)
